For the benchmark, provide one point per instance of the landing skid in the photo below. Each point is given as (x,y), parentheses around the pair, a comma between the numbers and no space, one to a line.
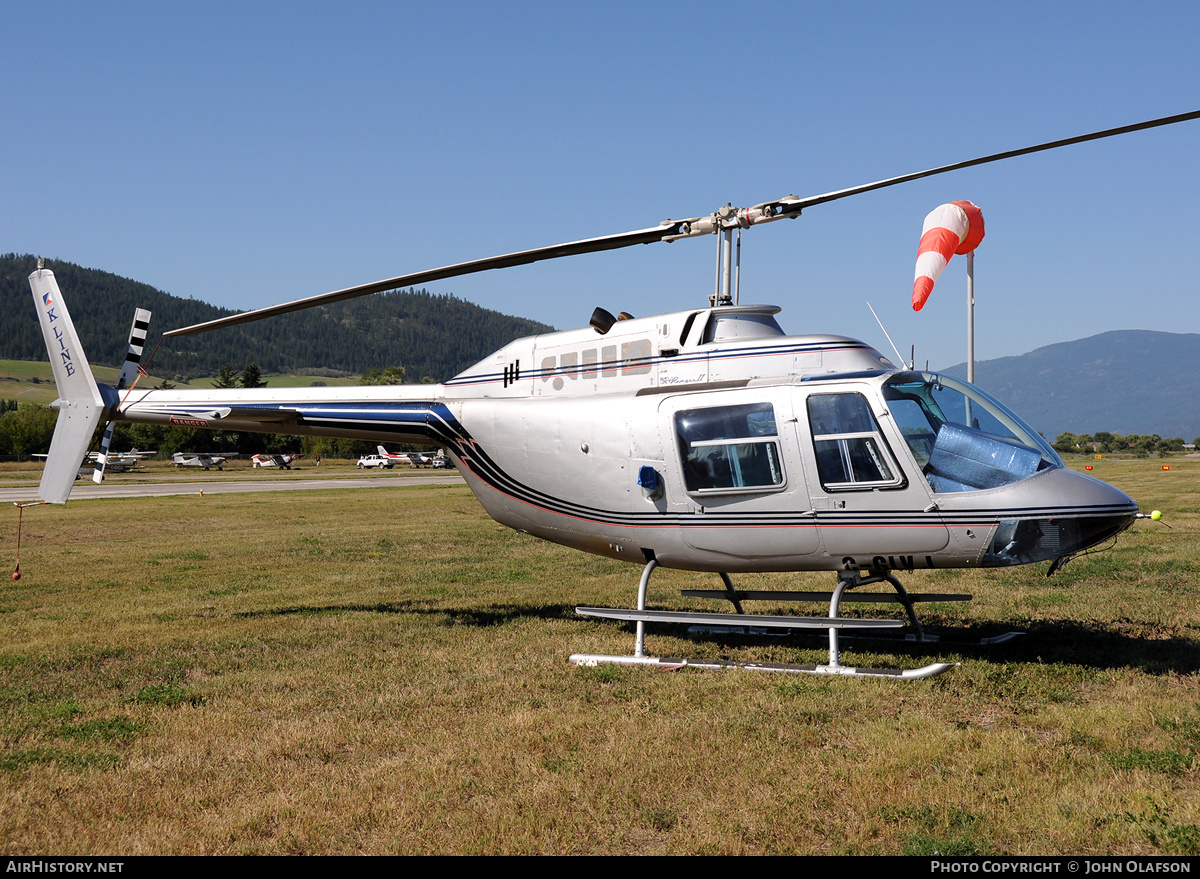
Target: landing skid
(591,660)
(833,624)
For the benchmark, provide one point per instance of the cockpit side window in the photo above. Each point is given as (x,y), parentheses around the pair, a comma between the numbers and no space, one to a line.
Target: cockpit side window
(917,424)
(729,449)
(851,453)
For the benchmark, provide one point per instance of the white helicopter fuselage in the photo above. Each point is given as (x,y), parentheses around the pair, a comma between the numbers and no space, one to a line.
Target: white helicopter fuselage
(705,440)
(709,440)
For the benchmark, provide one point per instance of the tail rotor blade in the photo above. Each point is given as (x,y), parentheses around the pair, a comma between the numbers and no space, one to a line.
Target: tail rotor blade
(129,373)
(102,455)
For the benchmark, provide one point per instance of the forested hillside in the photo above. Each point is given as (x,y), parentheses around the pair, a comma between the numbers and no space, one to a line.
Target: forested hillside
(434,336)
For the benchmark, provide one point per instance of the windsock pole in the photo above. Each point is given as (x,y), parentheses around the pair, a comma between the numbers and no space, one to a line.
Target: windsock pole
(971,317)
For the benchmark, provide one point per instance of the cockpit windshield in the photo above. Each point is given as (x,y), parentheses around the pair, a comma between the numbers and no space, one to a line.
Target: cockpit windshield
(962,438)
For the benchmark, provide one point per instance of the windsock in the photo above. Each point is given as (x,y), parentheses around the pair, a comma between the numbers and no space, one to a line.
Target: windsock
(951,228)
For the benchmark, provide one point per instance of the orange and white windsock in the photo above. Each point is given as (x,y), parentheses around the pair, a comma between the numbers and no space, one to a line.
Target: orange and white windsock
(951,228)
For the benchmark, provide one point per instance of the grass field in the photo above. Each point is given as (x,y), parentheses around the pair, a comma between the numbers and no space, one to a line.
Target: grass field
(386,672)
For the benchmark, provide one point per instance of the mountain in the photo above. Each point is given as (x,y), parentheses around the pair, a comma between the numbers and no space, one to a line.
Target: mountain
(1125,381)
(429,335)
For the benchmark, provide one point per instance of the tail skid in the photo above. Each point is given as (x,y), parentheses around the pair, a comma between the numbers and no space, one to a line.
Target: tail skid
(79,404)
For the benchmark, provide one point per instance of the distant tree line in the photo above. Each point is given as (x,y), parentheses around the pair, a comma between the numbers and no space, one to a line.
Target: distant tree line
(251,377)
(1103,441)
(27,430)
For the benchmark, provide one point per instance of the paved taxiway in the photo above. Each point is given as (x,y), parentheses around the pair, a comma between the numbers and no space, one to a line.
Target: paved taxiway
(84,490)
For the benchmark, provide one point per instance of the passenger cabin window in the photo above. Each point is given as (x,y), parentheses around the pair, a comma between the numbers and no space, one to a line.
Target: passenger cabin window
(729,449)
(850,451)
(636,357)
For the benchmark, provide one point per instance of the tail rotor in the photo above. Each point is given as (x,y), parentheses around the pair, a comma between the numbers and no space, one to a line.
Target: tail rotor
(130,372)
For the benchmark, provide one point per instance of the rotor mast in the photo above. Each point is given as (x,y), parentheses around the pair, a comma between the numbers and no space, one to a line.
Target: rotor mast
(725,222)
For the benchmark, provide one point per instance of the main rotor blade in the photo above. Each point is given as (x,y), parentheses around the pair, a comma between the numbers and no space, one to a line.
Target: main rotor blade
(791,206)
(570,248)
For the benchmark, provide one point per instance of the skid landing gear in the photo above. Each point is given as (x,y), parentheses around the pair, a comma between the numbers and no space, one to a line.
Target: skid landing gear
(833,623)
(852,581)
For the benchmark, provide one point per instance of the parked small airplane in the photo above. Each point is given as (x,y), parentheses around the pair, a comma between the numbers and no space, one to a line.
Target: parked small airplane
(119,463)
(412,459)
(190,459)
(282,461)
(114,462)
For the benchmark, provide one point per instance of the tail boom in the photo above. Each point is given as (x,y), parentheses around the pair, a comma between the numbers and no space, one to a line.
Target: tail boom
(391,413)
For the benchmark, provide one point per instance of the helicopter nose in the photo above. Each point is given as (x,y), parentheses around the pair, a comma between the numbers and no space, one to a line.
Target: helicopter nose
(1064,513)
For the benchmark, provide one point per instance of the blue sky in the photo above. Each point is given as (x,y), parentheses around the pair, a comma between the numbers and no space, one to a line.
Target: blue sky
(251,153)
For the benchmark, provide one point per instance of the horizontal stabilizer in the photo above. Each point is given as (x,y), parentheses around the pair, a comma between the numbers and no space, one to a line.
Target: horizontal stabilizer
(260,414)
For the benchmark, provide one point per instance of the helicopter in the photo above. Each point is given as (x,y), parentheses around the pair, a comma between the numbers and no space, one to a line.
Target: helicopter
(706,440)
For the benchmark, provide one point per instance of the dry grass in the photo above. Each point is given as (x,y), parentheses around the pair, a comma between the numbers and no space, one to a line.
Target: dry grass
(386,672)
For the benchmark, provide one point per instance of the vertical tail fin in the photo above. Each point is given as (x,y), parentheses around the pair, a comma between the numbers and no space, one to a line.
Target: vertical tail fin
(79,402)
